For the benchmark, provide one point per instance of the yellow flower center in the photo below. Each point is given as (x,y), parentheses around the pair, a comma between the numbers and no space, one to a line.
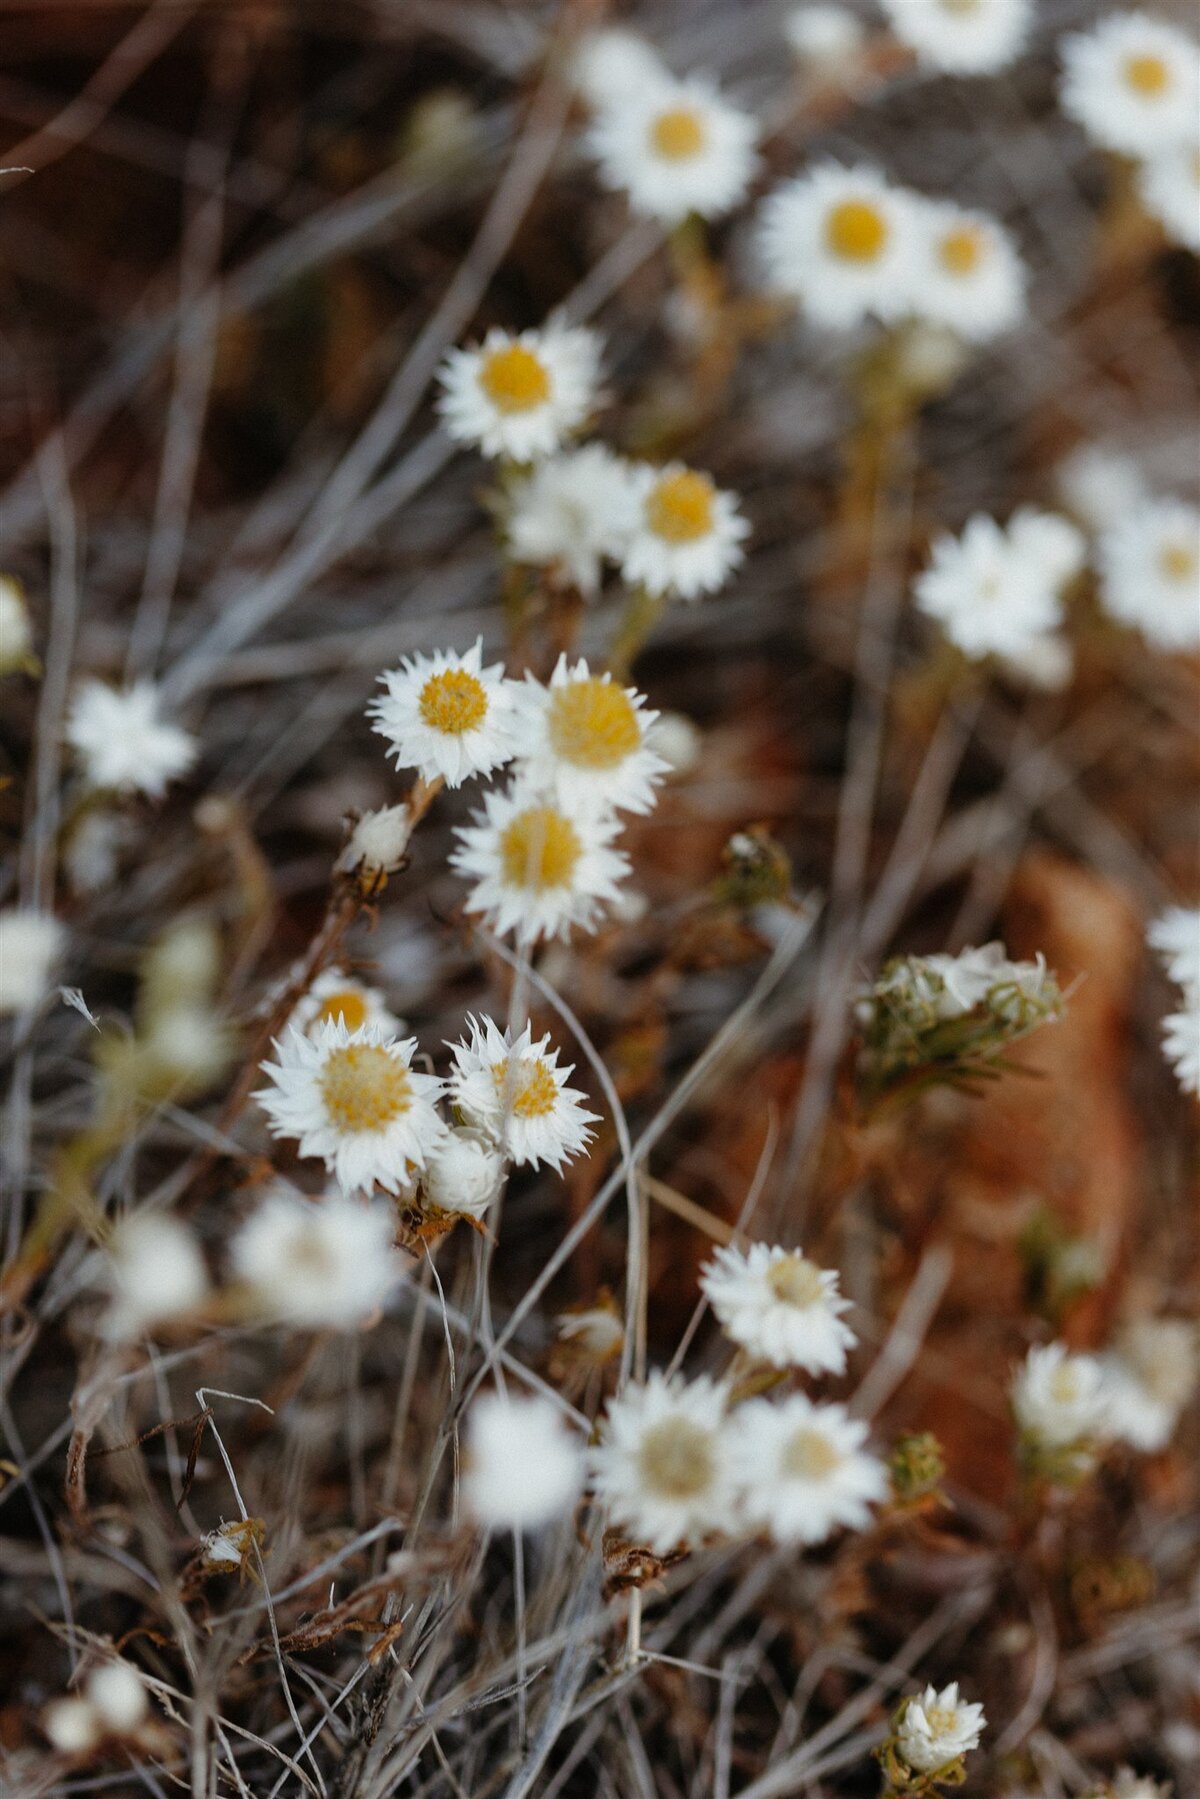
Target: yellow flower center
(1064,1386)
(539,849)
(809,1455)
(514,380)
(530,1090)
(856,231)
(1178,562)
(941,1722)
(678,134)
(961,250)
(309,1254)
(680,507)
(963,8)
(349,1006)
(363,1088)
(1147,75)
(454,702)
(795,1281)
(676,1459)
(592,723)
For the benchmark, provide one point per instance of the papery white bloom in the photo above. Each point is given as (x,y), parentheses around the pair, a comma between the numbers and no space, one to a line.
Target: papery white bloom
(513,1090)
(31,946)
(937,1728)
(962,37)
(523,1467)
(16,632)
(989,596)
(674,147)
(1169,189)
(1176,937)
(1150,572)
(665,1466)
(324,1265)
(1060,1399)
(1151,1372)
(379,841)
(464,1176)
(1133,83)
(122,742)
(117,1694)
(338,995)
(1128,1785)
(1052,543)
(353,1099)
(611,64)
(677,740)
(803,1470)
(825,37)
(572,512)
(778,1305)
(843,243)
(71,1725)
(446,715)
(521,396)
(538,871)
(968,977)
(1099,485)
(584,740)
(688,537)
(1181,1042)
(226,1546)
(155,1273)
(968,273)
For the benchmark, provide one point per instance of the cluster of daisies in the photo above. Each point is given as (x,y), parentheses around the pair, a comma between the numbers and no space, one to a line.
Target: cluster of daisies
(1176,937)
(1069,1406)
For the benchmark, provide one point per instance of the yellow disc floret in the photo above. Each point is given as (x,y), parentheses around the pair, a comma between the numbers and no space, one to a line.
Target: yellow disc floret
(514,379)
(961,250)
(539,849)
(1146,75)
(454,701)
(856,231)
(808,1455)
(678,134)
(1178,562)
(529,1090)
(349,1006)
(796,1281)
(592,723)
(676,1459)
(363,1088)
(680,507)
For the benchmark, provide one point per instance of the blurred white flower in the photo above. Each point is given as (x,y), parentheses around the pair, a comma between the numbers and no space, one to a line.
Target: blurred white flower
(339,996)
(71,1725)
(122,743)
(583,739)
(778,1305)
(155,1273)
(826,38)
(1050,542)
(446,715)
(594,1331)
(664,1466)
(991,596)
(674,147)
(523,1467)
(118,1696)
(844,243)
(1175,934)
(688,537)
(1133,83)
(190,1043)
(1150,572)
(802,1469)
(968,274)
(515,1092)
(1181,1042)
(1169,188)
(677,740)
(520,395)
(16,632)
(1125,1784)
(571,513)
(962,37)
(31,946)
(324,1265)
(1061,1399)
(610,64)
(935,1729)
(464,1174)
(353,1099)
(1098,485)
(538,870)
(1151,1372)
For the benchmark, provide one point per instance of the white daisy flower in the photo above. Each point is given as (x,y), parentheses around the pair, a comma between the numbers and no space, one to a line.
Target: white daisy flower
(324,1265)
(1176,937)
(353,1099)
(611,64)
(538,870)
(16,632)
(522,1466)
(803,1470)
(688,536)
(514,1091)
(520,395)
(446,715)
(121,741)
(988,597)
(1098,484)
(571,513)
(843,243)
(464,1175)
(962,37)
(1150,572)
(969,274)
(1181,1042)
(1060,1399)
(1151,1373)
(1133,83)
(665,1466)
(778,1305)
(1169,189)
(31,947)
(937,1728)
(584,739)
(338,995)
(155,1273)
(826,38)
(675,147)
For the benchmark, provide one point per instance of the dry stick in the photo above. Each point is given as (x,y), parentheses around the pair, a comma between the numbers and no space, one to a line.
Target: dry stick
(904,1340)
